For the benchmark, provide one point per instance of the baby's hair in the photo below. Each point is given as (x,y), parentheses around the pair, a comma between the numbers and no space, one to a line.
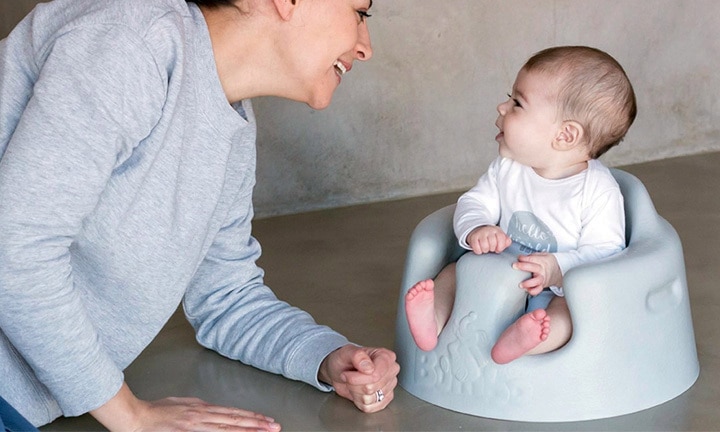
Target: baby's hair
(593,90)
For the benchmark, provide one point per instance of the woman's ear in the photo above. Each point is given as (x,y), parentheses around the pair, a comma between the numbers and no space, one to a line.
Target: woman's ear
(285,8)
(570,135)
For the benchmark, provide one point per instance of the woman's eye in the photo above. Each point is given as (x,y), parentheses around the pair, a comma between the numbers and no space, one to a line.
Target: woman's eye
(363,15)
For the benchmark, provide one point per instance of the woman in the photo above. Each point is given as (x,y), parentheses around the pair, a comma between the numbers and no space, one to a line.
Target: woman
(126,179)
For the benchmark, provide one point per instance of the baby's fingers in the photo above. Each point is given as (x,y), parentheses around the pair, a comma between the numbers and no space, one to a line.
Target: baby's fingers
(502,242)
(507,241)
(489,244)
(528,266)
(534,285)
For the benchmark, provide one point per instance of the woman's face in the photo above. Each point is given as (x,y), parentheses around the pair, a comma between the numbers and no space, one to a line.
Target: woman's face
(332,35)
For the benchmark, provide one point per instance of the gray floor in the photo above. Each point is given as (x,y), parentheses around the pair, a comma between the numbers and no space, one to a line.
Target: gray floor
(344,266)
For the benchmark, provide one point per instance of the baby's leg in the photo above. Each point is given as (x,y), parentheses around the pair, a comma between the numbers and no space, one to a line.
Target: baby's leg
(531,334)
(523,335)
(559,315)
(420,311)
(428,305)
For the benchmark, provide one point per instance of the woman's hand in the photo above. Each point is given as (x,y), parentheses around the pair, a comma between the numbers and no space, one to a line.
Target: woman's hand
(366,376)
(125,412)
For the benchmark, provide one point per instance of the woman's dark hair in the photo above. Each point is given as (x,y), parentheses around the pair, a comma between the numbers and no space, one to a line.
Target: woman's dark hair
(215,3)
(211,3)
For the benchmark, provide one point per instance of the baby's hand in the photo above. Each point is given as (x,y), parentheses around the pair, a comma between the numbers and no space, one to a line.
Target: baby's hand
(488,238)
(545,272)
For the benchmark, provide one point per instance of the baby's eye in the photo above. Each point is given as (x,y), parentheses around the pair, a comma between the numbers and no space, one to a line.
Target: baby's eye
(515,101)
(363,15)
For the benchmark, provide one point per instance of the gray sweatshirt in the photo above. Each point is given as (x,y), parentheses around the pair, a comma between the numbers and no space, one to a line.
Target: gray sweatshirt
(126,187)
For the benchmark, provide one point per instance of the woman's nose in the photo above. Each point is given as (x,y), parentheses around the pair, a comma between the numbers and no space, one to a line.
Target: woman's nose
(363,49)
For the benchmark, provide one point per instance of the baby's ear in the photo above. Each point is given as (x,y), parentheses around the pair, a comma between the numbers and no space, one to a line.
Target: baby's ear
(570,135)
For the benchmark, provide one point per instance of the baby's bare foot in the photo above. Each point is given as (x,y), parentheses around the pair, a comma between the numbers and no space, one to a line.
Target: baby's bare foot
(523,335)
(420,311)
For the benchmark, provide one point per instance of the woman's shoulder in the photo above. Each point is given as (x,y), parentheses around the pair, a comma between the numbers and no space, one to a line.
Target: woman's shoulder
(96,18)
(131,13)
(141,34)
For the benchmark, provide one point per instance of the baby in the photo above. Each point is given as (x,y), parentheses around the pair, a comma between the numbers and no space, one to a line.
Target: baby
(546,198)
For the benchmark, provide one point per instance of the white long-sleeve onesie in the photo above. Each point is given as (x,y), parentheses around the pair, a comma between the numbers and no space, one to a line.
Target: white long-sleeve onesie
(579,219)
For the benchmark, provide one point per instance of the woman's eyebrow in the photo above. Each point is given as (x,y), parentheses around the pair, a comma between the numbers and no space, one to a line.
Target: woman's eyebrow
(370,4)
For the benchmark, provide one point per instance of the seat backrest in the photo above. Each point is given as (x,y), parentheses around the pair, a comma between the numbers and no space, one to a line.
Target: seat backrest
(640,214)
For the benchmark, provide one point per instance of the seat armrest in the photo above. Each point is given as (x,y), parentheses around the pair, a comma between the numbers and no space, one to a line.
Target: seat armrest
(432,246)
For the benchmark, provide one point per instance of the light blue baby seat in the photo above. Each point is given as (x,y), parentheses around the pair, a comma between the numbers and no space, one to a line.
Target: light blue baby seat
(633,345)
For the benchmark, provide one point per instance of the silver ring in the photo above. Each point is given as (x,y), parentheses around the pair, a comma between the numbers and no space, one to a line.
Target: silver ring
(379,395)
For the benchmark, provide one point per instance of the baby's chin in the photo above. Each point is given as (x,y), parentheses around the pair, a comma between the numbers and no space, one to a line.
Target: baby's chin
(502,150)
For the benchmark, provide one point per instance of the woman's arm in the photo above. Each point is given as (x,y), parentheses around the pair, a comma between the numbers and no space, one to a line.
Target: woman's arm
(235,314)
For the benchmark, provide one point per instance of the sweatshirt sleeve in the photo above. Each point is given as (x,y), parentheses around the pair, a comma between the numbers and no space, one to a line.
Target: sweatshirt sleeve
(235,314)
(82,116)
(602,233)
(479,206)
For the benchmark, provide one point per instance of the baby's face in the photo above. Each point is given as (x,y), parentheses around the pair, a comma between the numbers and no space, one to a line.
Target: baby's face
(528,121)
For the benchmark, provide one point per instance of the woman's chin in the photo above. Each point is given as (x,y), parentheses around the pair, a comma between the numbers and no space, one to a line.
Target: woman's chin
(320,103)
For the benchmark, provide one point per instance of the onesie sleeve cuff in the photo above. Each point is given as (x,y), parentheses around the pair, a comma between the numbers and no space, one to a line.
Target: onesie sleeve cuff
(566,261)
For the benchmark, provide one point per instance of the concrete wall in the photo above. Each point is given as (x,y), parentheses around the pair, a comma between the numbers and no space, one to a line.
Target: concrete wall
(419,117)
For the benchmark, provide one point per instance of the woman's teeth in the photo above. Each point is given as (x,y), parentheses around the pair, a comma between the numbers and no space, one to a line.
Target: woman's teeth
(340,68)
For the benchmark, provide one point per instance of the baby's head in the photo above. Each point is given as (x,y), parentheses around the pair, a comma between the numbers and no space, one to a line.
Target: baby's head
(591,89)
